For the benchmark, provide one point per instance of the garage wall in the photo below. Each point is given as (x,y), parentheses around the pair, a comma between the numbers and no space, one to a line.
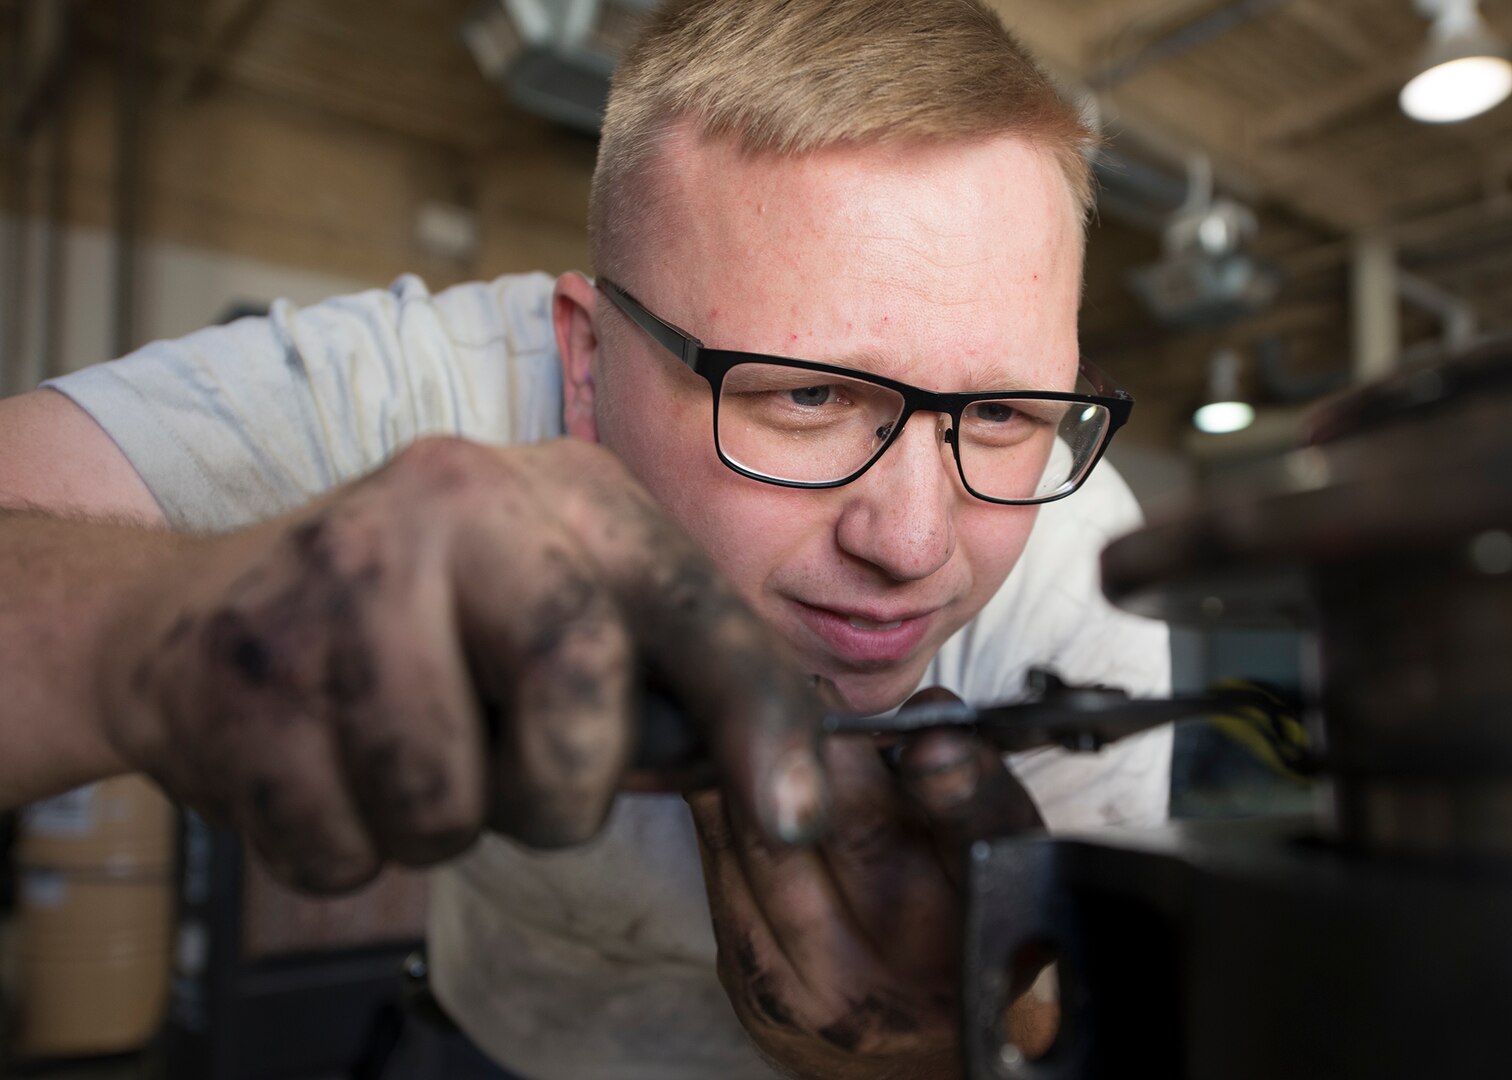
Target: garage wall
(180,289)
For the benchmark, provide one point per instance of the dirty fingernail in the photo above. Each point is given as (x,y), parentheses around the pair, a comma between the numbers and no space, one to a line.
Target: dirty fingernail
(798,798)
(937,751)
(941,769)
(944,789)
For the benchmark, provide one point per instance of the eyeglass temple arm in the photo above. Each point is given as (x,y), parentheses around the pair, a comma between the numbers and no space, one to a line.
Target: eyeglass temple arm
(1102,382)
(682,345)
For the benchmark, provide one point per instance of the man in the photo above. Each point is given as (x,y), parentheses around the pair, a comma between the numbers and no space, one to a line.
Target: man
(860,220)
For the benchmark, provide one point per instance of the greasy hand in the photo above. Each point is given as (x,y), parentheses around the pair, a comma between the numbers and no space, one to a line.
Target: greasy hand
(843,960)
(452,641)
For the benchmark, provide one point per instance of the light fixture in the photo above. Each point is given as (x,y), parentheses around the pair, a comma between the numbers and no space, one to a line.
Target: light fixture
(1465,70)
(1223,417)
(1225,412)
(1207,275)
(554,57)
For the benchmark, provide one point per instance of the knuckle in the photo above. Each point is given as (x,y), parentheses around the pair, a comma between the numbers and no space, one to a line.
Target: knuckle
(570,603)
(321,873)
(445,465)
(331,876)
(597,487)
(557,774)
(586,660)
(419,804)
(238,645)
(301,840)
(432,842)
(571,749)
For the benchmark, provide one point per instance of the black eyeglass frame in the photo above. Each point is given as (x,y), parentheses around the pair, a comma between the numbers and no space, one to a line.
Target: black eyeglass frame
(714,364)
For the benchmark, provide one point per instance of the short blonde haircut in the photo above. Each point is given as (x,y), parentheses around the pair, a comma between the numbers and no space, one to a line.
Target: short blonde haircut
(790,77)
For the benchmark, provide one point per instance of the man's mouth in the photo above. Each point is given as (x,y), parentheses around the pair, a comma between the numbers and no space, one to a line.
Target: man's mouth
(866,624)
(864,640)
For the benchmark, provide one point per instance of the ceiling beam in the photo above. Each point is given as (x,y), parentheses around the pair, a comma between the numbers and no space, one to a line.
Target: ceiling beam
(1324,20)
(1314,114)
(226,25)
(41,56)
(304,80)
(1112,27)
(1182,38)
(1161,107)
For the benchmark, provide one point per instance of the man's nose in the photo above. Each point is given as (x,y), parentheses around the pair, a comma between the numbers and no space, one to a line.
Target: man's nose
(900,516)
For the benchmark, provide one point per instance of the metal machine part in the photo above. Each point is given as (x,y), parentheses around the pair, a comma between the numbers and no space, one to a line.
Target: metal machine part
(1369,940)
(1240,951)
(1391,536)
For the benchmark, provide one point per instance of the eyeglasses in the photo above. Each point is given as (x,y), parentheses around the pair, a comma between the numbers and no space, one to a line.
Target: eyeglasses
(803,424)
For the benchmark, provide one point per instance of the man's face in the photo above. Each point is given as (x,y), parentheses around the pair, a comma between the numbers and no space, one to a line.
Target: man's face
(952,267)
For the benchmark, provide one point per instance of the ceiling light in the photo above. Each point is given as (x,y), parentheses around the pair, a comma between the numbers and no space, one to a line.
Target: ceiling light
(1465,70)
(1223,417)
(1207,276)
(1224,412)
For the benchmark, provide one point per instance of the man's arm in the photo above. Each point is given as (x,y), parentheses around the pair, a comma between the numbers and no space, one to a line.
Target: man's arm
(56,459)
(60,581)
(452,640)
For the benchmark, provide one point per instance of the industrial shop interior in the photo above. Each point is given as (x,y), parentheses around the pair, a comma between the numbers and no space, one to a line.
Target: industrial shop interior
(660,539)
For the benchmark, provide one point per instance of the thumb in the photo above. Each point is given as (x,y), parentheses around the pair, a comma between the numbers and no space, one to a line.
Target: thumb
(961,784)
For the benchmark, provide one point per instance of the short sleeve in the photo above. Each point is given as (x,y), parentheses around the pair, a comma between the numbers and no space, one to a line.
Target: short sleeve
(236,423)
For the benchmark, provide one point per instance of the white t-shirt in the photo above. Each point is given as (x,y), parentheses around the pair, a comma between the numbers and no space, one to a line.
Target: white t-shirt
(596,962)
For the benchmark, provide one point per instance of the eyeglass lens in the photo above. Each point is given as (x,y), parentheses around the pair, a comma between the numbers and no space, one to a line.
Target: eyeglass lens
(804,427)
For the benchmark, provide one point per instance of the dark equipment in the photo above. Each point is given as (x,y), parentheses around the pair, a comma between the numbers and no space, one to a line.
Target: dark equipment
(1370,939)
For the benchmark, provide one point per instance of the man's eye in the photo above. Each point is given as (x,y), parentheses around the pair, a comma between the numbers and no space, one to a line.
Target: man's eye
(994,412)
(811,395)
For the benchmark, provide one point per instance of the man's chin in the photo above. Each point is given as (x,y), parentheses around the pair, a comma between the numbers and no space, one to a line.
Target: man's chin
(869,694)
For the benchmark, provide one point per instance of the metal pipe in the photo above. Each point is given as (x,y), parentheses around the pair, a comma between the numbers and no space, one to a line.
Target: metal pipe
(1374,288)
(38,57)
(54,271)
(13,297)
(1152,193)
(1184,40)
(16,294)
(1460,326)
(130,77)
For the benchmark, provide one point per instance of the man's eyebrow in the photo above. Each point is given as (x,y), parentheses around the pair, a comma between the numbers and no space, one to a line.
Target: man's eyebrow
(981,375)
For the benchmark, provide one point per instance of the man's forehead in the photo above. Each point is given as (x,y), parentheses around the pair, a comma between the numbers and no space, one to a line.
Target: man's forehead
(696,188)
(951,266)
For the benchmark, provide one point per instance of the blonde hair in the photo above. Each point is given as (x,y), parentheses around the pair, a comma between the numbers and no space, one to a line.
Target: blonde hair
(789,77)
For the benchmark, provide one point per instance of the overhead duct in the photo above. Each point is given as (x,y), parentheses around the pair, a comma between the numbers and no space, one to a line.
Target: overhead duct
(1208,276)
(554,58)
(1135,191)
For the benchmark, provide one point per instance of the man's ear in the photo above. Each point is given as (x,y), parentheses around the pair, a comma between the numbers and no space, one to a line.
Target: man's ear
(574,308)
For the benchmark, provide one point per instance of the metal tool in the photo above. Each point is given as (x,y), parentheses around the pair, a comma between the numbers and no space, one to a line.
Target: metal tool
(1054,713)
